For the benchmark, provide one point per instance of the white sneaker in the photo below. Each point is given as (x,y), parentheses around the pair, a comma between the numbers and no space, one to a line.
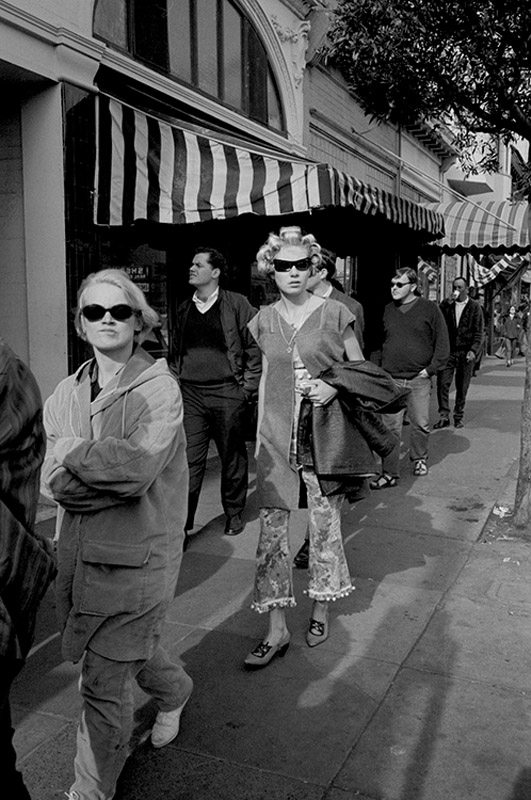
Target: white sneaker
(166,725)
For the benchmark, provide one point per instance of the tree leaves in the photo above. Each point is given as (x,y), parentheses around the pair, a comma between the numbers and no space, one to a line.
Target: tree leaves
(411,60)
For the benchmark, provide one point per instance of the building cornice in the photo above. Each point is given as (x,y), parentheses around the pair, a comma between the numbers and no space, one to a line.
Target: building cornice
(59,54)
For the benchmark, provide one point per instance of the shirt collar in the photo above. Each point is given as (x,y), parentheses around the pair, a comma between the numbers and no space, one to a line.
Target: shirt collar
(211,299)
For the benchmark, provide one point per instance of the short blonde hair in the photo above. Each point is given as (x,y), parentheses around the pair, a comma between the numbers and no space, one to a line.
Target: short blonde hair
(288,236)
(134,295)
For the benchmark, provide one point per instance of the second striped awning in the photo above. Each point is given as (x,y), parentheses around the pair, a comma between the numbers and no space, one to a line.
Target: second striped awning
(484,227)
(148,169)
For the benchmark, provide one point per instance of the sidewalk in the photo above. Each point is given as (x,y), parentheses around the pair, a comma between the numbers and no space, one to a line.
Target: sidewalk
(422,691)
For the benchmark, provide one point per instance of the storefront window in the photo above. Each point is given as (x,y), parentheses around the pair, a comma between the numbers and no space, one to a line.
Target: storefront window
(232,57)
(180,36)
(110,23)
(209,44)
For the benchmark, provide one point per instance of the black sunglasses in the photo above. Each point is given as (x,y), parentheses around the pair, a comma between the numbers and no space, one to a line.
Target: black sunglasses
(397,283)
(95,312)
(285,266)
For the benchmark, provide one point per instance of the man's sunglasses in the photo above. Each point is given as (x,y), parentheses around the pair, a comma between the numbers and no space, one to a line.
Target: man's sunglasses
(285,266)
(95,312)
(401,285)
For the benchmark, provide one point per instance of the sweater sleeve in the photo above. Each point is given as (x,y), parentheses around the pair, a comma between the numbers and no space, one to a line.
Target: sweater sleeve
(252,356)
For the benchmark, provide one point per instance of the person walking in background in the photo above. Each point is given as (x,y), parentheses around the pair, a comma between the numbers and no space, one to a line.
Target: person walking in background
(116,464)
(300,335)
(464,319)
(523,311)
(320,284)
(415,347)
(27,563)
(218,365)
(474,295)
(511,329)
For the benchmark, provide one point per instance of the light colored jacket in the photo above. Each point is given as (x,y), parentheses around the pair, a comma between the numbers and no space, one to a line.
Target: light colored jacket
(117,466)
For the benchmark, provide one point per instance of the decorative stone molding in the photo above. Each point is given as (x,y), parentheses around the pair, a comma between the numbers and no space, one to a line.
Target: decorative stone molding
(297,41)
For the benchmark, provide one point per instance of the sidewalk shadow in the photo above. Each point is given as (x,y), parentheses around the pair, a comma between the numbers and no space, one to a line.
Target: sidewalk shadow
(302,717)
(522,787)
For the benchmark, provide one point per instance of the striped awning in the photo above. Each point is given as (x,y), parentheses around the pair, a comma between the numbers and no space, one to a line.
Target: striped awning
(484,227)
(149,169)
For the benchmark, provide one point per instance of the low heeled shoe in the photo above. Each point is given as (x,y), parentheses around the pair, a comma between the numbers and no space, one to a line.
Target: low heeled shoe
(317,632)
(264,652)
(167,724)
(234,525)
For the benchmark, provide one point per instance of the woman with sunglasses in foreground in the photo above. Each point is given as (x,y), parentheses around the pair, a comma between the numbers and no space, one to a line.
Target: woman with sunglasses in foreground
(300,335)
(116,465)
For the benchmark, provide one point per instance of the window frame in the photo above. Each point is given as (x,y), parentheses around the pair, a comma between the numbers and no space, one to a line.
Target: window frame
(247,27)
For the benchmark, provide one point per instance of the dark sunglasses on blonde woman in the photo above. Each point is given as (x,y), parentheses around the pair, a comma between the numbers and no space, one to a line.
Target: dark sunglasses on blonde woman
(95,312)
(285,266)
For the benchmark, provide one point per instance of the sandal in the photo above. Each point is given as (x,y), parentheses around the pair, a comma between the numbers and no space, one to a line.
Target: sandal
(385,481)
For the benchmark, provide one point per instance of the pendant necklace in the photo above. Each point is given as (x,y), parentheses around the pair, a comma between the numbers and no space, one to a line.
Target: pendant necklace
(289,342)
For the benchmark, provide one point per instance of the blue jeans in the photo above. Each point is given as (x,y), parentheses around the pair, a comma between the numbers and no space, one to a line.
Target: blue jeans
(106,720)
(418,414)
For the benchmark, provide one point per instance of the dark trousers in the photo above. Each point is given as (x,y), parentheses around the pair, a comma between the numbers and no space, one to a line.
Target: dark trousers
(216,412)
(11,778)
(462,369)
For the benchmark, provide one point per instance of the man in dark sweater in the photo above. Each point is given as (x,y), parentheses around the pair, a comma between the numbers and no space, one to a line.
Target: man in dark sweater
(415,347)
(465,322)
(218,364)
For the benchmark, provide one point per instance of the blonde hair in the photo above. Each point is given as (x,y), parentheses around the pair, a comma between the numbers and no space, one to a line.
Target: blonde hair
(288,236)
(134,295)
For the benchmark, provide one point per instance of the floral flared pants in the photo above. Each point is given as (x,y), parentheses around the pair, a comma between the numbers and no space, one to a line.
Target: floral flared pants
(329,576)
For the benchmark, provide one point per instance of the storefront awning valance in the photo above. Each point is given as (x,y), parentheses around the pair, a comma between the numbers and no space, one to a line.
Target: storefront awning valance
(149,169)
(484,227)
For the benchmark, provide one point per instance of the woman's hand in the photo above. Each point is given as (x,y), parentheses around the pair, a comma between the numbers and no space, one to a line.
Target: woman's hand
(320,393)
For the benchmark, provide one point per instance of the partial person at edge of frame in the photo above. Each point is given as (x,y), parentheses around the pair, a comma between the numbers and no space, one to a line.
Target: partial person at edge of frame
(27,561)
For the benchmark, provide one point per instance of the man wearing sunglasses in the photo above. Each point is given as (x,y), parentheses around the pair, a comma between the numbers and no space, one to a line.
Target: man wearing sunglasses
(415,347)
(218,365)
